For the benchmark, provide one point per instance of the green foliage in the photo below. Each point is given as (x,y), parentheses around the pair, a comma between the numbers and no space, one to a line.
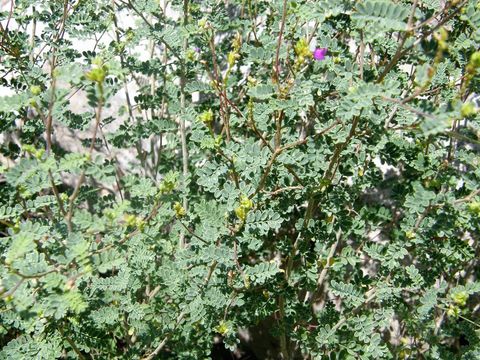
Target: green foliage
(200,170)
(382,15)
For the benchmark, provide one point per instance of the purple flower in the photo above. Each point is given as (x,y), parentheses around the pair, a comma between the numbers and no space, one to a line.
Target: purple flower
(319,54)
(196,49)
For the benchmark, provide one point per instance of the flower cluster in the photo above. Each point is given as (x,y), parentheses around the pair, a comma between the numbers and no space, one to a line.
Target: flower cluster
(302,51)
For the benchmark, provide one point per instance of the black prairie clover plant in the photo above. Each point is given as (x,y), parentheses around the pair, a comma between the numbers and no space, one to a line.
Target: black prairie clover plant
(304,171)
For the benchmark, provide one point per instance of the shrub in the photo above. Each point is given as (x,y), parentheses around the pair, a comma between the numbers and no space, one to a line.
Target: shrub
(309,167)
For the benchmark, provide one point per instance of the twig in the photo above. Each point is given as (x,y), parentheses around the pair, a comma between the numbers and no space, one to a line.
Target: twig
(72,344)
(434,16)
(10,292)
(192,233)
(468,197)
(462,317)
(312,34)
(399,53)
(32,36)
(355,311)
(331,253)
(253,18)
(53,83)
(286,188)
(10,14)
(229,304)
(279,43)
(161,39)
(180,317)
(278,129)
(138,144)
(409,108)
(361,55)
(183,133)
(146,220)
(261,184)
(278,151)
(76,191)
(428,33)
(283,336)
(219,85)
(154,292)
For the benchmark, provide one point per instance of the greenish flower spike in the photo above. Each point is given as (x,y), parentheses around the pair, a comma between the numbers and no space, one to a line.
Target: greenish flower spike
(460,298)
(179,210)
(245,205)
(468,109)
(35,90)
(206,117)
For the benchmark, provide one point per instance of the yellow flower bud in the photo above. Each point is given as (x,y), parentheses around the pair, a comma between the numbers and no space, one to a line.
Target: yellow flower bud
(246,202)
(453,311)
(206,117)
(474,207)
(222,328)
(232,57)
(460,298)
(246,282)
(301,48)
(410,234)
(35,90)
(202,23)
(468,109)
(237,42)
(241,213)
(96,75)
(130,219)
(179,210)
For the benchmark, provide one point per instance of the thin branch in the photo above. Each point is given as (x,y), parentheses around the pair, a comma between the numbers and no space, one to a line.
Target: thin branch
(434,16)
(432,30)
(409,108)
(10,14)
(76,191)
(138,144)
(53,83)
(286,188)
(330,256)
(283,336)
(183,132)
(278,129)
(468,197)
(146,220)
(279,43)
(355,311)
(263,179)
(462,317)
(130,5)
(180,317)
(72,344)
(278,151)
(32,36)
(56,193)
(399,53)
(10,292)
(314,30)
(361,55)
(192,233)
(220,87)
